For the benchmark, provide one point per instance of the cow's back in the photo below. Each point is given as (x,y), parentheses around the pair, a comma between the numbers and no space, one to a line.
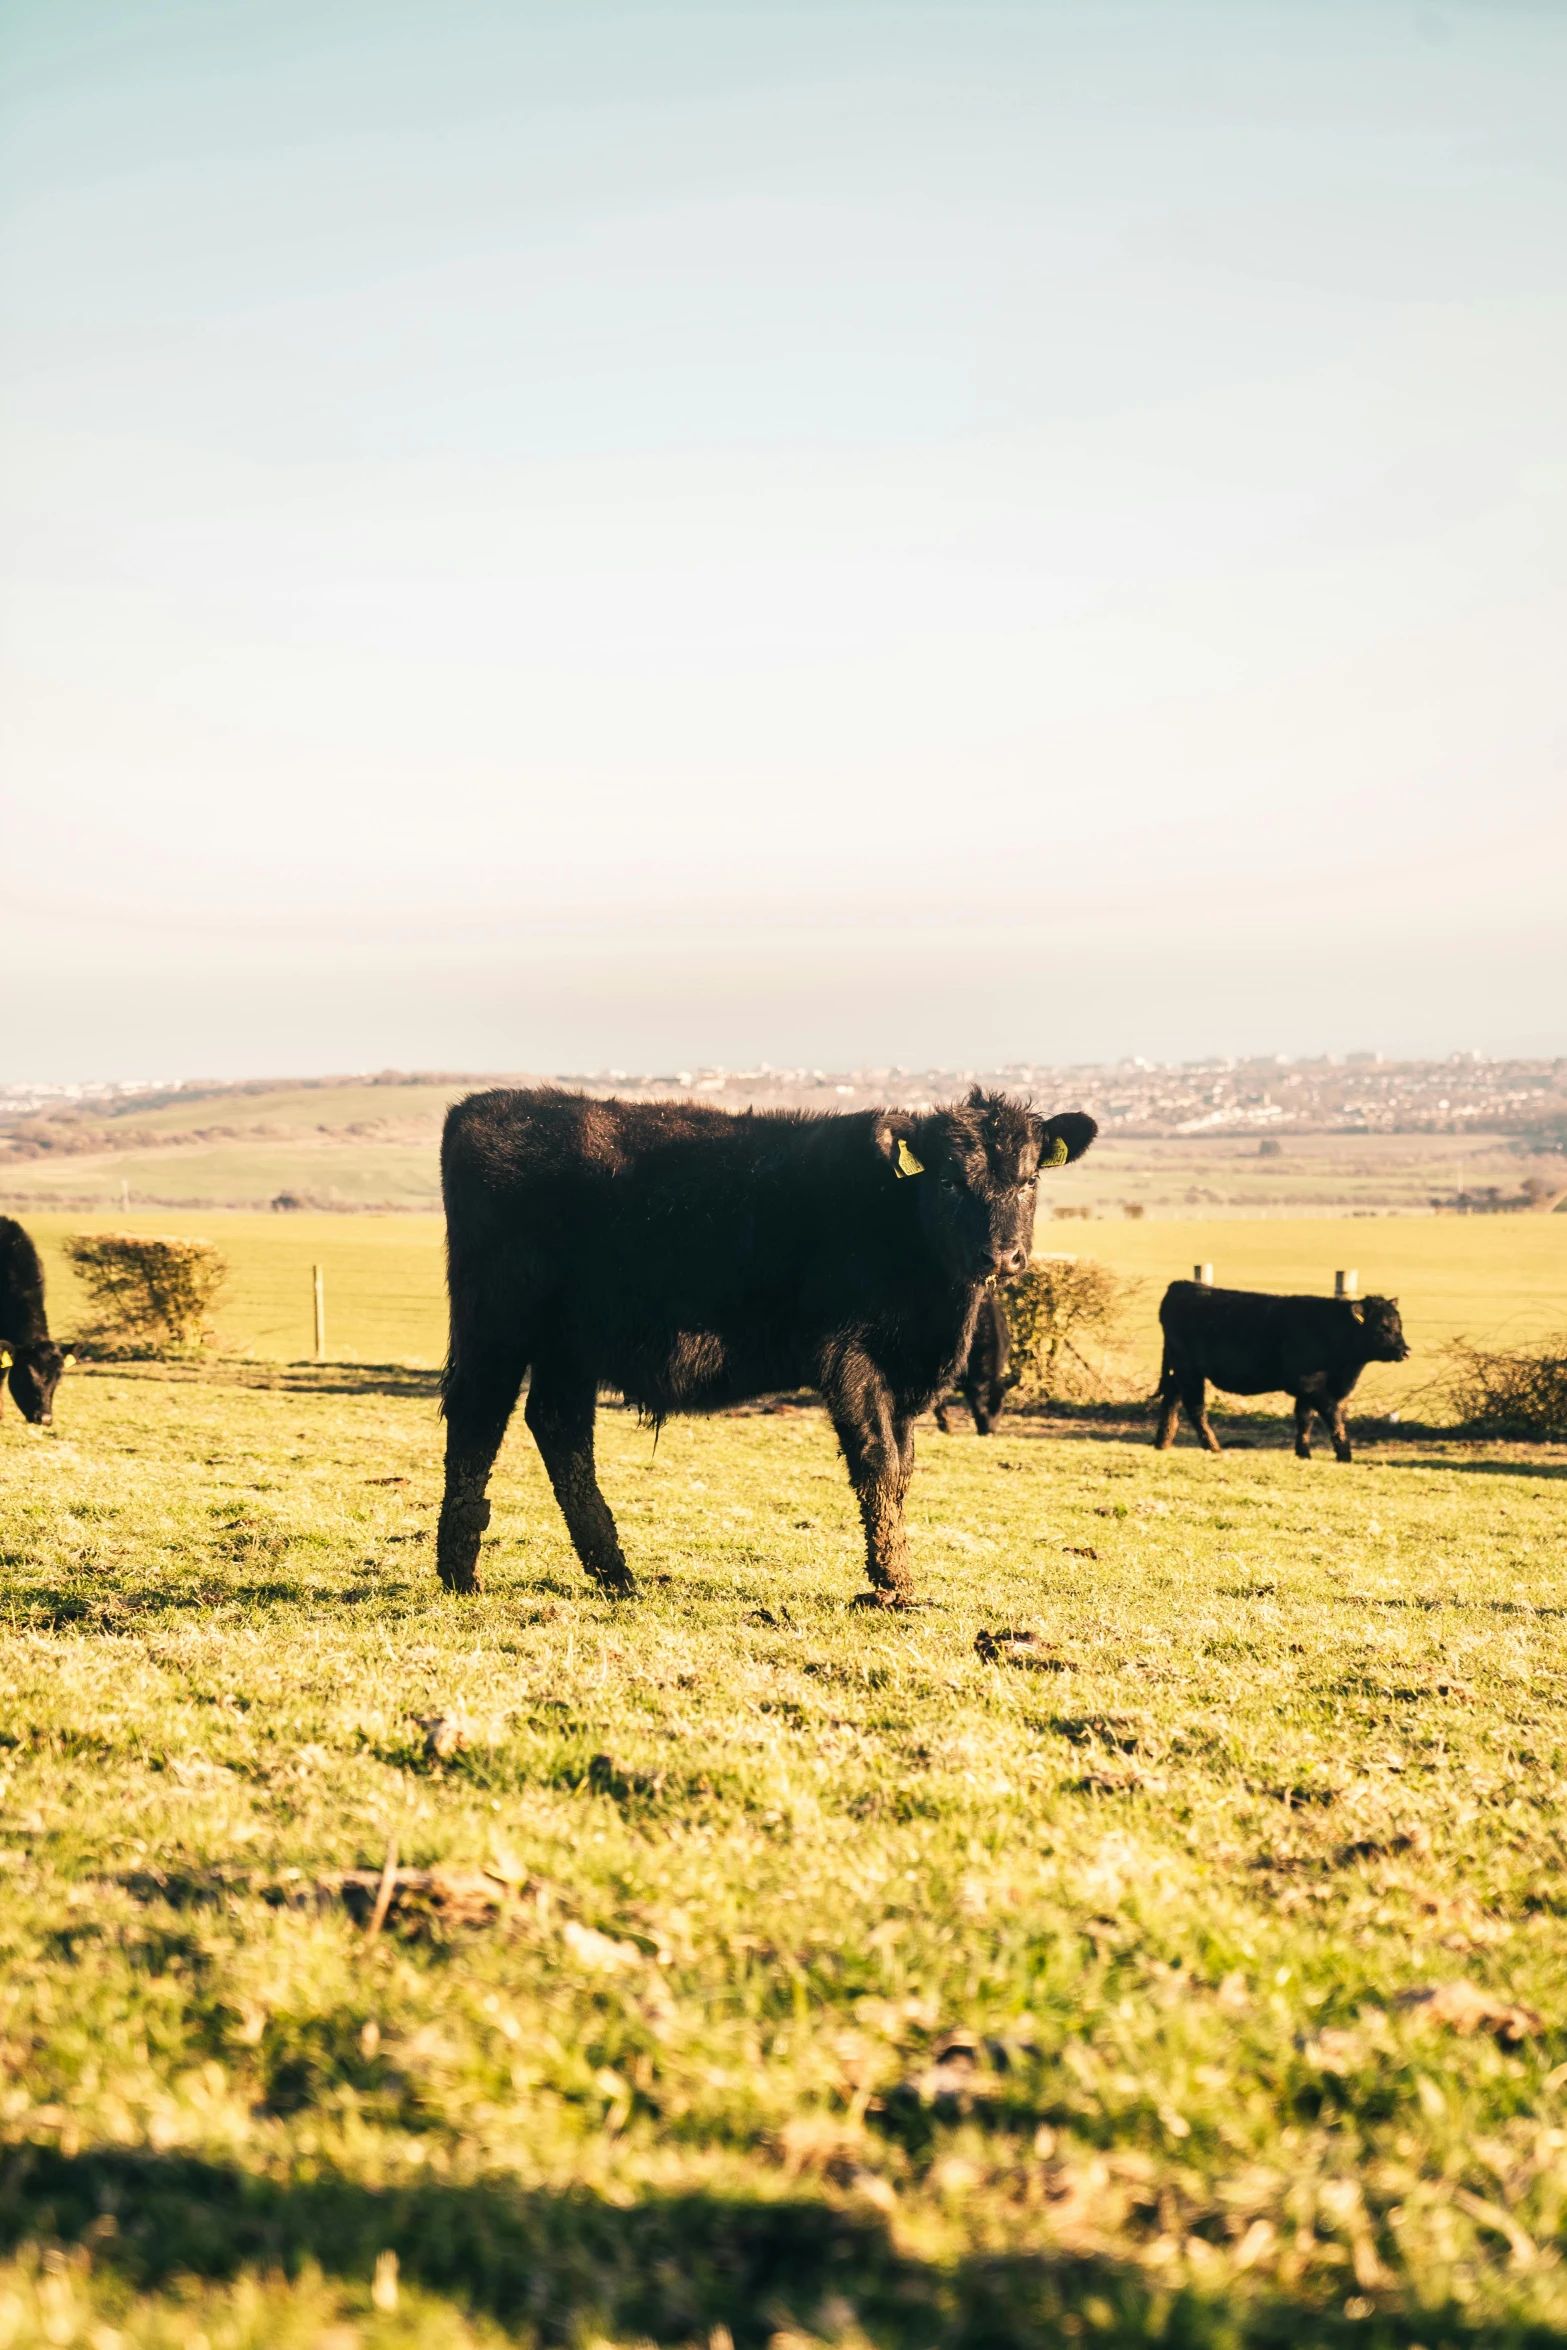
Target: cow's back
(21,1284)
(1247,1341)
(644,1225)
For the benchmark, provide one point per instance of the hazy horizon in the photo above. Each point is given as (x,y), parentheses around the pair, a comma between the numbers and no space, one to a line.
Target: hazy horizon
(836,536)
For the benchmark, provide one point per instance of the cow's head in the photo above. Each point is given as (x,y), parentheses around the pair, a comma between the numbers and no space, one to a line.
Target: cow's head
(1382,1333)
(973,1171)
(34,1374)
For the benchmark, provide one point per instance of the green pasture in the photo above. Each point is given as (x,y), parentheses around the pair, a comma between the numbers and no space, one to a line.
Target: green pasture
(300,1108)
(345,1174)
(1193,1973)
(362,1145)
(384,1280)
(1498,1280)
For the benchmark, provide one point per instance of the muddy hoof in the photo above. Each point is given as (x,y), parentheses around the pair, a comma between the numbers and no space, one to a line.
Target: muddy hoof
(457,1562)
(902,1601)
(457,1541)
(621,1585)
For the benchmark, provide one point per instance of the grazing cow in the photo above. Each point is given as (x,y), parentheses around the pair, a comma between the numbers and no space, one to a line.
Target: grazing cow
(1313,1348)
(692,1260)
(983,1378)
(35,1362)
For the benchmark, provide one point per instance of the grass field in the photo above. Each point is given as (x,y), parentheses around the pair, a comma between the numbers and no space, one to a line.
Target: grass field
(668,2054)
(384,1280)
(1499,1280)
(681,2066)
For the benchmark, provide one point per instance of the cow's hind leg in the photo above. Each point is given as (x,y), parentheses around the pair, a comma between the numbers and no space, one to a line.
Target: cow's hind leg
(481,1392)
(560,1410)
(1169,1405)
(1194,1394)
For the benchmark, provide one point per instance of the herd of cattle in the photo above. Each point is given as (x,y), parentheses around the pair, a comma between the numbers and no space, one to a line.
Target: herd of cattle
(692,1260)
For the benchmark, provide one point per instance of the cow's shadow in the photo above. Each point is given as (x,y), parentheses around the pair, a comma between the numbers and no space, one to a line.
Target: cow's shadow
(562,2266)
(1483,1468)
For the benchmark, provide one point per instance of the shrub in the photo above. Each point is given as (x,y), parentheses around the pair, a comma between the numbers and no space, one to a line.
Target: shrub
(151,1295)
(1518,1392)
(1055,1306)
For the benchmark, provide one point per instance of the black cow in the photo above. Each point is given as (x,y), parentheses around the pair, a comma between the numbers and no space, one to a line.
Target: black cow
(1313,1348)
(983,1378)
(35,1361)
(692,1259)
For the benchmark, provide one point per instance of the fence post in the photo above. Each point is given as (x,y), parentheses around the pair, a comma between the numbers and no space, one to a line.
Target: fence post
(1345,1284)
(319,1287)
(1204,1274)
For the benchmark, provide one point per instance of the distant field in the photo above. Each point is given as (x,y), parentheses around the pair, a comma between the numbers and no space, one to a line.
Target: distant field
(338,1174)
(339,1146)
(325,1107)
(375,1146)
(1180,1176)
(1497,1280)
(384,1279)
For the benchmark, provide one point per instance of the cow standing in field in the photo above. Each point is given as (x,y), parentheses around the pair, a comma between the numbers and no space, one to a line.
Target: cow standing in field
(693,1260)
(983,1380)
(1313,1348)
(35,1362)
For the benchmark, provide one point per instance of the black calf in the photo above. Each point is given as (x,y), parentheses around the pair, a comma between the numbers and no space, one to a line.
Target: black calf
(1313,1348)
(692,1260)
(35,1362)
(983,1379)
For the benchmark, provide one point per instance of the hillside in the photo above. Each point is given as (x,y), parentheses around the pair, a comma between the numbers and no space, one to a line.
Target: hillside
(1261,1140)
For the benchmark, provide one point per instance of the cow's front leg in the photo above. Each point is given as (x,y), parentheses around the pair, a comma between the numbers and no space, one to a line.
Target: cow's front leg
(477,1408)
(560,1411)
(1305,1405)
(878,1448)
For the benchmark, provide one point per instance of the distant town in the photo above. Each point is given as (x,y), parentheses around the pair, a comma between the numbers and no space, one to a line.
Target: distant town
(1359,1093)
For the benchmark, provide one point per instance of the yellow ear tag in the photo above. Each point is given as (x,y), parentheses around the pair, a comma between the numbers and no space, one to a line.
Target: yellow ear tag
(1059,1154)
(70,1362)
(5,1362)
(908,1164)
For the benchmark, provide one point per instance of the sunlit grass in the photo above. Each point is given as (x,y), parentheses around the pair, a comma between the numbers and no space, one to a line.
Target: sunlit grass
(1290,1748)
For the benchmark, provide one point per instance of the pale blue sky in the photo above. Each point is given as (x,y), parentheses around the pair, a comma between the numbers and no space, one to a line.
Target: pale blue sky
(633,535)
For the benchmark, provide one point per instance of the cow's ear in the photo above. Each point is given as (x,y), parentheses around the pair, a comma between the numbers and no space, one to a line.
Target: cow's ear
(1358,1309)
(1064,1138)
(894,1139)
